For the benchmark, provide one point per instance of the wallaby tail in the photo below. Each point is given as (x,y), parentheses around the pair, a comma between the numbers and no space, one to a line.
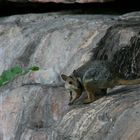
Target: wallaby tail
(129,82)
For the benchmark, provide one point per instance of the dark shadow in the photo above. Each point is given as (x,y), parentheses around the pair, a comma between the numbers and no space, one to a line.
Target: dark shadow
(117,7)
(124,90)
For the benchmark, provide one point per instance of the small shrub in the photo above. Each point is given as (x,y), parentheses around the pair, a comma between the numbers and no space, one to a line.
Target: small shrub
(13,72)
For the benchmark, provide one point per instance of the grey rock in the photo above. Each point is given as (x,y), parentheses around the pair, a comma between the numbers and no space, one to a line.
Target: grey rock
(35,106)
(61,1)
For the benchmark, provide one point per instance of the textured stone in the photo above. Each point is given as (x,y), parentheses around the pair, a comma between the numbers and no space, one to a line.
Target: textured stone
(64,1)
(35,106)
(71,1)
(113,117)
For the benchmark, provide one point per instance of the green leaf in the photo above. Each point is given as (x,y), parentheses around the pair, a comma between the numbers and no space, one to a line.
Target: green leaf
(11,73)
(6,75)
(1,81)
(34,68)
(16,70)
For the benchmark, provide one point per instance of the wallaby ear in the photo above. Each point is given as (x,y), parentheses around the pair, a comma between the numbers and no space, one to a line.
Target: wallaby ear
(74,72)
(73,75)
(64,77)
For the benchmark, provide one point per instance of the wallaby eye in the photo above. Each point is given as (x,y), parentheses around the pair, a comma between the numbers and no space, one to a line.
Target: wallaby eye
(70,82)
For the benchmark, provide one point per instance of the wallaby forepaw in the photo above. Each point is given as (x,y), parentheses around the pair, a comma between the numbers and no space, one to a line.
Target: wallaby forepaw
(70,103)
(87,101)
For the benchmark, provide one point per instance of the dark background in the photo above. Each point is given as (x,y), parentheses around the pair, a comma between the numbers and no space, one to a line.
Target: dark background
(117,7)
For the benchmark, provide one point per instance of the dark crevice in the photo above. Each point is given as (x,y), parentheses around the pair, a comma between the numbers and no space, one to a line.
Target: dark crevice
(123,59)
(21,126)
(127,63)
(24,59)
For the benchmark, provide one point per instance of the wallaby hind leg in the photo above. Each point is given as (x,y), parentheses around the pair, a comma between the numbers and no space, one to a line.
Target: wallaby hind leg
(90,94)
(100,93)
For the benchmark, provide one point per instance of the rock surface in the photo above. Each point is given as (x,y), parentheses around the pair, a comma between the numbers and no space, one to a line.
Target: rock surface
(72,1)
(34,106)
(63,1)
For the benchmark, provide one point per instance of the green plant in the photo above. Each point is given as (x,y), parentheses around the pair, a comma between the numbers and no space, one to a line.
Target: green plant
(13,72)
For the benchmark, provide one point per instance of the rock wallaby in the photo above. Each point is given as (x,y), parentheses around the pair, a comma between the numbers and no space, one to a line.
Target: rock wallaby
(94,78)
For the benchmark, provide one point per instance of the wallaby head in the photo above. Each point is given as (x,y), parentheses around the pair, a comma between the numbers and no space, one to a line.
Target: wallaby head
(70,82)
(72,85)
